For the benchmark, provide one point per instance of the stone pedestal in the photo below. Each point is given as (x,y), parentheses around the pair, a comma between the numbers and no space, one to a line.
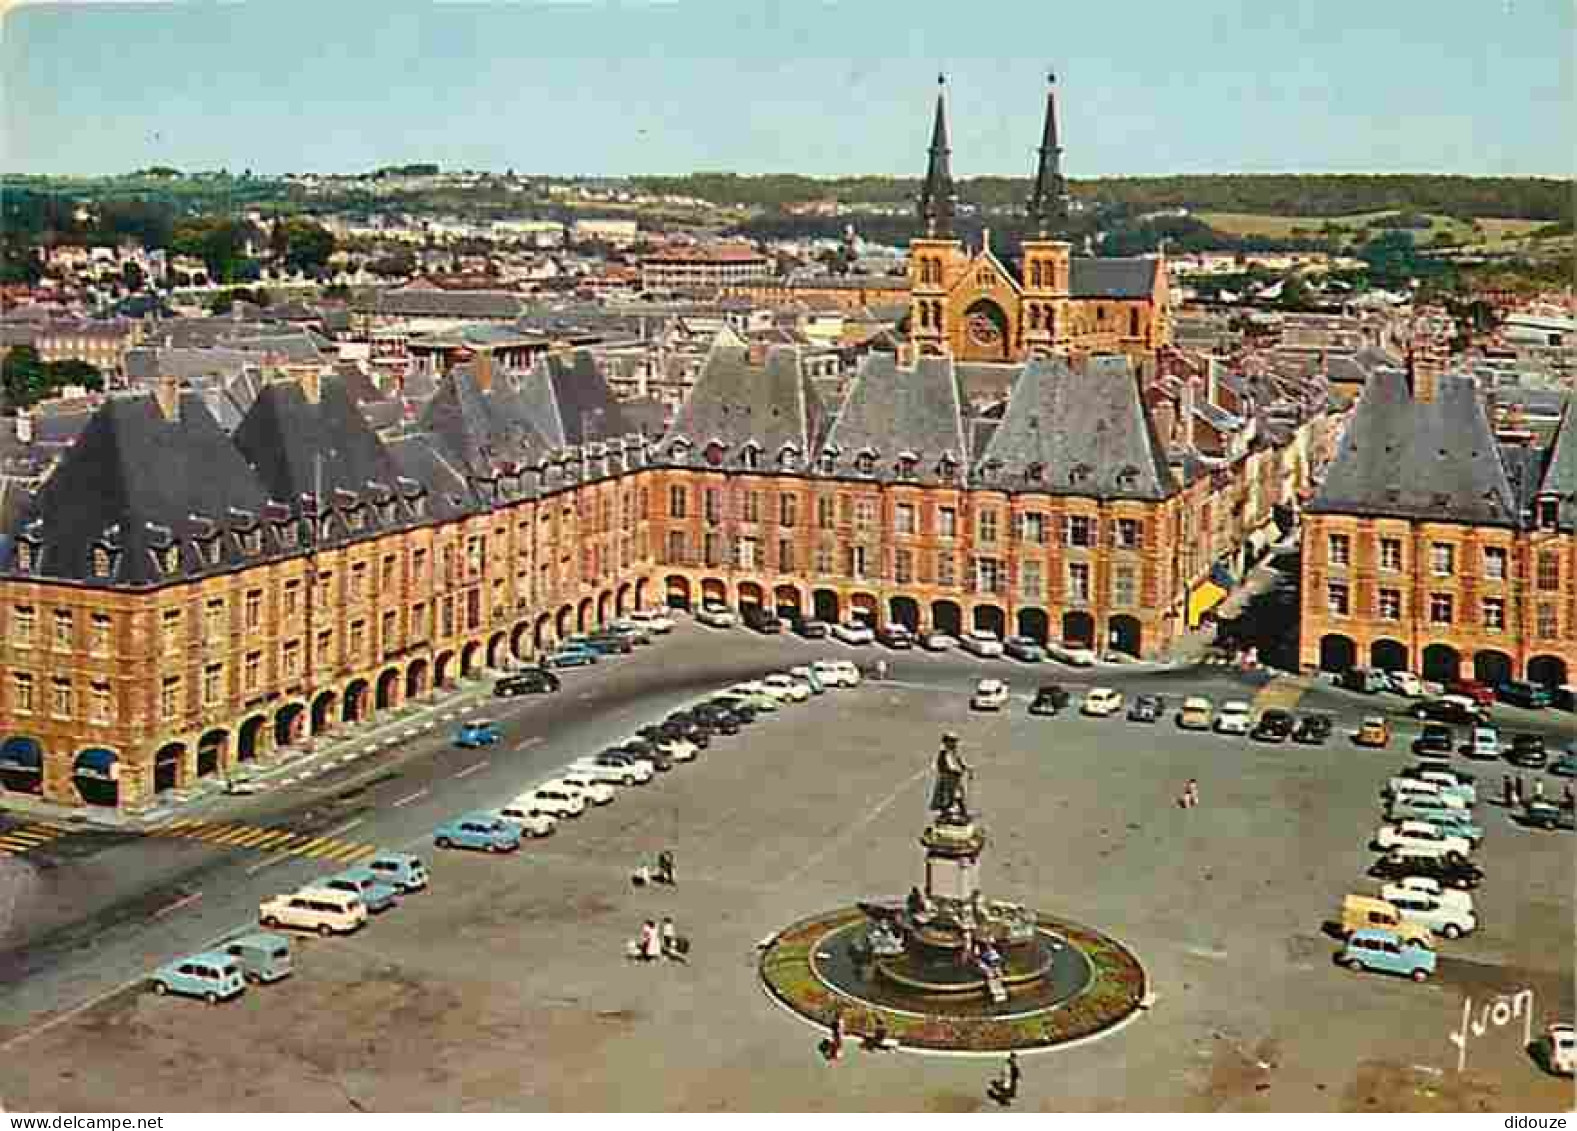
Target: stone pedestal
(952,860)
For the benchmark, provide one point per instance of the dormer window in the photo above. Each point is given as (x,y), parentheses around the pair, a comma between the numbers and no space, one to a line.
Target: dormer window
(714,454)
(288,534)
(1035,473)
(1127,477)
(829,461)
(103,562)
(1548,511)
(170,560)
(1079,475)
(356,518)
(906,465)
(750,457)
(865,462)
(788,458)
(26,556)
(326,527)
(679,450)
(252,542)
(947,467)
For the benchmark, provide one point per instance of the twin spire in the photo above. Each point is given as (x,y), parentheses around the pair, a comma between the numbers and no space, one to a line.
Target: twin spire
(1047,204)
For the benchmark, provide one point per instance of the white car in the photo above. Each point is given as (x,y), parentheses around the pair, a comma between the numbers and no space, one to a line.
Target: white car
(594,791)
(1399,789)
(714,615)
(813,681)
(785,686)
(1561,1048)
(1440,917)
(1430,888)
(324,910)
(854,632)
(653,620)
(979,642)
(938,642)
(1076,655)
(837,673)
(1235,717)
(528,815)
(678,749)
(557,801)
(1449,783)
(1420,838)
(990,695)
(1406,683)
(1485,744)
(637,772)
(1101,701)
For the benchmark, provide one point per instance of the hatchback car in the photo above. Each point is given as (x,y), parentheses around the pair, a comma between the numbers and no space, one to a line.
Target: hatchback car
(1435,738)
(837,673)
(1025,649)
(785,686)
(630,771)
(895,636)
(523,813)
(1101,701)
(1431,889)
(1147,709)
(658,622)
(809,628)
(715,615)
(1405,684)
(1483,744)
(572,658)
(555,799)
(1196,713)
(1528,750)
(1560,1048)
(485,832)
(594,790)
(1548,816)
(939,642)
(532,681)
(1375,949)
(1274,725)
(1449,709)
(764,621)
(1521,693)
(1235,717)
(1472,689)
(990,695)
(1374,732)
(854,632)
(477,732)
(1071,653)
(1050,699)
(399,869)
(210,975)
(365,884)
(982,643)
(1313,729)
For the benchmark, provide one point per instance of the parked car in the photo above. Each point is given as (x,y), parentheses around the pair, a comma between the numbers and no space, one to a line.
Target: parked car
(854,632)
(1235,717)
(477,732)
(1452,822)
(678,749)
(1101,701)
(895,636)
(837,673)
(593,789)
(262,955)
(1024,648)
(753,697)
(809,628)
(1549,816)
(630,771)
(554,798)
(1565,764)
(764,621)
(605,643)
(1364,912)
(715,615)
(1449,709)
(532,681)
(1559,1048)
(211,975)
(990,695)
(1147,709)
(399,869)
(1472,690)
(1050,699)
(1451,782)
(314,909)
(1453,869)
(1430,889)
(572,658)
(1528,750)
(1369,681)
(687,728)
(1483,744)
(1400,788)
(1313,728)
(1377,949)
(1521,693)
(806,674)
(1436,738)
(1374,731)
(486,832)
(658,622)
(1274,725)
(1071,653)
(1420,837)
(939,642)
(980,642)
(367,885)
(1405,684)
(787,687)
(1196,713)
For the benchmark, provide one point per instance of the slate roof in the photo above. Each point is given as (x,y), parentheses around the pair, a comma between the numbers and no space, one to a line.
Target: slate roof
(488,305)
(1560,472)
(1077,431)
(569,400)
(1435,460)
(768,407)
(899,423)
(1112,278)
(483,429)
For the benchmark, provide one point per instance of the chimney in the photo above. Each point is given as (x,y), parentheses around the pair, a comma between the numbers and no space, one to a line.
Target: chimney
(24,427)
(484,370)
(310,378)
(167,393)
(1427,367)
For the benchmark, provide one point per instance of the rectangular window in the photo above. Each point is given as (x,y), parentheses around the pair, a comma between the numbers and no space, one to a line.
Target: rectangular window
(254,609)
(1547,620)
(678,502)
(712,504)
(1391,554)
(1338,600)
(946,522)
(824,559)
(715,549)
(824,512)
(170,698)
(988,575)
(904,518)
(1340,549)
(1440,608)
(946,570)
(1442,559)
(99,634)
(213,684)
(390,631)
(357,638)
(1079,582)
(24,626)
(788,509)
(418,567)
(1549,579)
(1495,563)
(857,562)
(325,646)
(785,556)
(22,701)
(1031,581)
(1078,530)
(903,566)
(63,626)
(747,554)
(323,595)
(252,672)
(864,515)
(292,598)
(101,703)
(61,699)
(752,506)
(986,526)
(473,609)
(358,581)
(391,569)
(1495,613)
(1390,604)
(292,659)
(419,621)
(170,630)
(1125,587)
(214,619)
(1127,533)
(676,547)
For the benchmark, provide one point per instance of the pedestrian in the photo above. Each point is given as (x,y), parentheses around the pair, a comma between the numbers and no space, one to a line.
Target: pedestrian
(832,1046)
(1538,789)
(1568,799)
(651,941)
(1522,789)
(672,948)
(1004,1089)
(1191,793)
(665,867)
(1505,786)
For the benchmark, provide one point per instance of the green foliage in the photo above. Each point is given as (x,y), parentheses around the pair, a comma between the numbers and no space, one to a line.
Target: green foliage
(19,262)
(224,301)
(218,241)
(28,379)
(419,169)
(306,246)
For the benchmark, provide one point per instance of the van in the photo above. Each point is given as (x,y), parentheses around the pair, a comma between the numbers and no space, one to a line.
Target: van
(1370,681)
(210,975)
(322,910)
(263,957)
(1361,912)
(400,870)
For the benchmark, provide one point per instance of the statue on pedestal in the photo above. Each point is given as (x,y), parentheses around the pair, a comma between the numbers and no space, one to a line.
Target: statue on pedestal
(949,796)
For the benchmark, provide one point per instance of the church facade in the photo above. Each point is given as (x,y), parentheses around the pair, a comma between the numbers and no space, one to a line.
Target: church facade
(974,306)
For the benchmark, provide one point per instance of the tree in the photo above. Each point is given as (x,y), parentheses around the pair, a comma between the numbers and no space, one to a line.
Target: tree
(28,379)
(307,246)
(132,276)
(219,242)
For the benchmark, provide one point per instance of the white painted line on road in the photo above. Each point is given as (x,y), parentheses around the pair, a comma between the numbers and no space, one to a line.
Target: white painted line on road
(346,827)
(534,740)
(473,768)
(184,901)
(268,863)
(413,733)
(408,799)
(427,726)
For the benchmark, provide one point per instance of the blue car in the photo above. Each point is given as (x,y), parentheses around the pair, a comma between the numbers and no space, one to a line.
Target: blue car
(571,658)
(1373,948)
(486,832)
(375,893)
(1024,648)
(211,975)
(477,732)
(400,870)
(1565,765)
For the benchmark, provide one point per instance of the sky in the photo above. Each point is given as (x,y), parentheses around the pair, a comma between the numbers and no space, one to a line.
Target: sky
(821,87)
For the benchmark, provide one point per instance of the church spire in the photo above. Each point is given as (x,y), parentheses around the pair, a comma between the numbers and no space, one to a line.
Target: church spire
(937,199)
(1048,203)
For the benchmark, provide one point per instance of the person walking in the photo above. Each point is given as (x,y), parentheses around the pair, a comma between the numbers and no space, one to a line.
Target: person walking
(665,867)
(1538,789)
(672,949)
(1506,790)
(1191,794)
(648,946)
(1522,789)
(1004,1089)
(833,1045)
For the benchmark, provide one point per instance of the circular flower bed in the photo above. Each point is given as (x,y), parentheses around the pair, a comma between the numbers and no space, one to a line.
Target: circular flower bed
(1114,990)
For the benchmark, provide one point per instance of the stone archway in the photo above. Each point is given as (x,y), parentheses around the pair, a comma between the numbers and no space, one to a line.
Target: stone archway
(22,764)
(750,593)
(905,611)
(583,615)
(416,679)
(1338,653)
(947,617)
(987,333)
(824,605)
(865,608)
(96,774)
(168,761)
(714,590)
(991,618)
(250,738)
(354,708)
(470,655)
(388,693)
(604,608)
(443,669)
(787,598)
(641,592)
(498,651)
(1492,667)
(1388,655)
(520,641)
(678,587)
(564,623)
(289,721)
(323,712)
(1549,671)
(1126,634)
(1035,624)
(211,751)
(542,634)
(622,599)
(1442,663)
(1078,628)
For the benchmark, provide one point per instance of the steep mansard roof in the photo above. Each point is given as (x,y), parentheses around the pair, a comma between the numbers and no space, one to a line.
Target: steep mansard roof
(737,408)
(898,423)
(1560,473)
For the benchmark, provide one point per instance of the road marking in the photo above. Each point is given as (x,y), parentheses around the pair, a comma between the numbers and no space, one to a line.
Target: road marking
(473,768)
(312,846)
(534,740)
(268,862)
(184,901)
(346,853)
(275,837)
(346,827)
(833,843)
(410,798)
